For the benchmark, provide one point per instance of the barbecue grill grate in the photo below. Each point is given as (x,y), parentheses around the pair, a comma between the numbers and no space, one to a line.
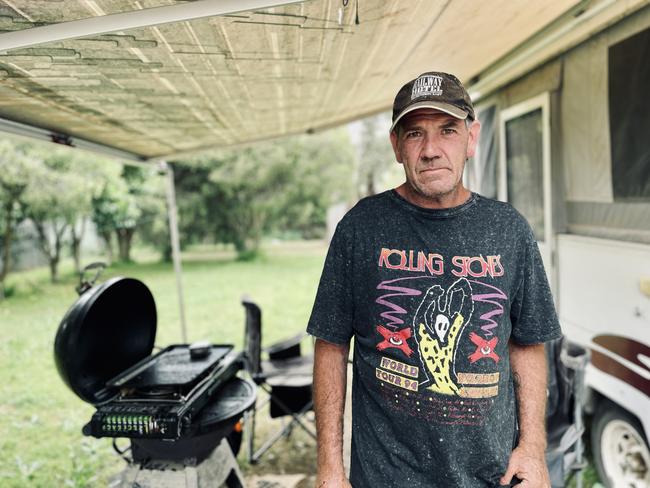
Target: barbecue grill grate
(172,369)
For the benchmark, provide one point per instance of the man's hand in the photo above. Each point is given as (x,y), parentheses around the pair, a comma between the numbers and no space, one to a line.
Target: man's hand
(529,465)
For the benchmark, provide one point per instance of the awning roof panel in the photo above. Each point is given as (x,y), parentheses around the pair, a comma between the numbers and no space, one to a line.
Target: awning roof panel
(172,88)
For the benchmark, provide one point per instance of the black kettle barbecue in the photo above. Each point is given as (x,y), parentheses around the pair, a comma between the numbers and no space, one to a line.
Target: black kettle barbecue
(188,394)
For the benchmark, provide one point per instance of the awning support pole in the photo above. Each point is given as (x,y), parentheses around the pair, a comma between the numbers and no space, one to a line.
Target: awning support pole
(134,19)
(175,242)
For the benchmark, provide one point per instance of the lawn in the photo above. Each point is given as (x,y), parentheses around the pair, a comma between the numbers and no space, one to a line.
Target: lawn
(41,444)
(40,418)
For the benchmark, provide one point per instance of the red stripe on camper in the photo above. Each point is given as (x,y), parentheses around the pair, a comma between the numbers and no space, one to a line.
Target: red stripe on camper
(618,370)
(624,347)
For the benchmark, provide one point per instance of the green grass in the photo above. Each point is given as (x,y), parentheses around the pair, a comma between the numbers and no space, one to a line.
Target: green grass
(40,418)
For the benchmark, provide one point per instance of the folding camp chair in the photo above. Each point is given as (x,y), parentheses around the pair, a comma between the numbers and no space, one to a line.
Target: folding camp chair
(564,418)
(286,376)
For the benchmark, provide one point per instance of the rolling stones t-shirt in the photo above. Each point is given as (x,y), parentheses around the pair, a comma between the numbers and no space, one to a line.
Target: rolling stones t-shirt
(432,298)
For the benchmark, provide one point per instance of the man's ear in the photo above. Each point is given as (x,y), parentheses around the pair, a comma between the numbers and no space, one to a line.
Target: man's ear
(472,141)
(394,142)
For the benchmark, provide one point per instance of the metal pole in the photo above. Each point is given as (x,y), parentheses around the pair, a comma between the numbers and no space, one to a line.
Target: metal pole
(579,415)
(176,248)
(134,19)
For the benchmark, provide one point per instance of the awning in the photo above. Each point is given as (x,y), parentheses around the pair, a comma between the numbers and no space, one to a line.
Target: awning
(155,91)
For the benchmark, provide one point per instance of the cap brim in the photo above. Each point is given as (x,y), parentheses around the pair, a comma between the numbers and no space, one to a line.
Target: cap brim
(442,107)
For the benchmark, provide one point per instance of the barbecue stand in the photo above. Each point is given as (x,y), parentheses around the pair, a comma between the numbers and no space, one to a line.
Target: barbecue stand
(177,406)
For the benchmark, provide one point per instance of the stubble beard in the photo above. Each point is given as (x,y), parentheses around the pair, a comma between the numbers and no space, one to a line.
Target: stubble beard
(425,193)
(433,194)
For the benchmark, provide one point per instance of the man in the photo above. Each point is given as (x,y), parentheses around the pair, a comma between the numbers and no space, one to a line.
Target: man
(445,294)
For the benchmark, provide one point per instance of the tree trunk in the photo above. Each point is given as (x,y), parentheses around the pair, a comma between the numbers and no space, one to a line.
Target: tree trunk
(14,192)
(6,260)
(124,238)
(56,255)
(6,247)
(52,252)
(43,240)
(249,234)
(54,269)
(75,243)
(108,243)
(167,253)
(240,245)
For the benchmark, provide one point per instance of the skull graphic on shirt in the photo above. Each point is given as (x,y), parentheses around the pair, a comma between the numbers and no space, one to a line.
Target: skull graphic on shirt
(438,323)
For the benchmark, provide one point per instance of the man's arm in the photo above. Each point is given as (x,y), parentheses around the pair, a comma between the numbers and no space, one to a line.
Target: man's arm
(527,461)
(330,382)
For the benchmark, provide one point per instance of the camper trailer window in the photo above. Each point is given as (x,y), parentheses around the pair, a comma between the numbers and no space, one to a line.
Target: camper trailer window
(524,160)
(629,117)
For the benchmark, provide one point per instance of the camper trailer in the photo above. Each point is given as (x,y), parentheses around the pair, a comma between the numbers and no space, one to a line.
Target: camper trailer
(567,142)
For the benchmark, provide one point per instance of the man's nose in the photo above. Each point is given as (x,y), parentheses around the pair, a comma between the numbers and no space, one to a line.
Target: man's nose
(430,148)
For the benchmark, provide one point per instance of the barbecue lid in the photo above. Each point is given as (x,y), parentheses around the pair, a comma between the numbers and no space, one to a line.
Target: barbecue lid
(108,329)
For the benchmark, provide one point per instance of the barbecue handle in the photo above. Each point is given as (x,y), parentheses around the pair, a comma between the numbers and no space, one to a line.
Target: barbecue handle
(85,285)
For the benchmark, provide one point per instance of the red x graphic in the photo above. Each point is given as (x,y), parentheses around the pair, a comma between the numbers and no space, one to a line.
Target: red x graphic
(484,348)
(395,339)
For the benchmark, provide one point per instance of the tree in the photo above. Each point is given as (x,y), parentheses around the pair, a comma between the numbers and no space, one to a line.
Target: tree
(95,171)
(86,173)
(77,231)
(241,194)
(375,154)
(103,208)
(252,180)
(147,205)
(131,201)
(52,202)
(115,211)
(53,188)
(126,221)
(15,168)
(323,164)
(153,226)
(198,200)
(58,199)
(128,211)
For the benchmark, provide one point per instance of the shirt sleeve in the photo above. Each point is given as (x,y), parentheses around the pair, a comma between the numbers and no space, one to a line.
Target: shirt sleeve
(333,312)
(532,313)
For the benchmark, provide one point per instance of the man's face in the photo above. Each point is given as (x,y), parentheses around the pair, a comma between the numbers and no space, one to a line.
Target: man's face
(433,146)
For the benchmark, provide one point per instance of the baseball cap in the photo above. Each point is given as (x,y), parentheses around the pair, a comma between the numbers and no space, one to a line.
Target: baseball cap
(437,90)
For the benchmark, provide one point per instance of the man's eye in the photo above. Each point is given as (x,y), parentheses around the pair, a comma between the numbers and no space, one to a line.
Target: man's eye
(413,133)
(448,131)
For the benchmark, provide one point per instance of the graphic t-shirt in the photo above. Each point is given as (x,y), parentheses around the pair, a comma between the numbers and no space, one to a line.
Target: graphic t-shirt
(432,298)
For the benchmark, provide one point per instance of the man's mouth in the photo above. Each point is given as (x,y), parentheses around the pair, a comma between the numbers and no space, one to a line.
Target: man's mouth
(433,170)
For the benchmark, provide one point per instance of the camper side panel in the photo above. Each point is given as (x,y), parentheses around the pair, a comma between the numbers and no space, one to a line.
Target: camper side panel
(604,298)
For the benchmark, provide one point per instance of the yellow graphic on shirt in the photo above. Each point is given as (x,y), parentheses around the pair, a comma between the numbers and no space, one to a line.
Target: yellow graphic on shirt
(478,385)
(438,358)
(438,322)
